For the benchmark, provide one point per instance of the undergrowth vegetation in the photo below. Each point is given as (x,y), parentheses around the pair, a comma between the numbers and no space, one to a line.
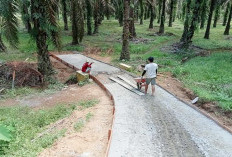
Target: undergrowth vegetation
(25,125)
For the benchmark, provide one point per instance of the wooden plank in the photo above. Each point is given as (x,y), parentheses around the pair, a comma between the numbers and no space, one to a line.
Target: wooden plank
(125,66)
(127,81)
(126,86)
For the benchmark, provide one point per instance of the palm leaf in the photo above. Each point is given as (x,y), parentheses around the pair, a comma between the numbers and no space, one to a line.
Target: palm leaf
(8,10)
(5,134)
(51,7)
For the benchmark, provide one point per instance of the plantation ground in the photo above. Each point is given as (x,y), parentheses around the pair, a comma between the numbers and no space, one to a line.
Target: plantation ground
(210,86)
(207,76)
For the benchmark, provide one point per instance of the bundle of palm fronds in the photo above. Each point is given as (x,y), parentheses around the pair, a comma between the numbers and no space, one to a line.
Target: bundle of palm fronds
(20,74)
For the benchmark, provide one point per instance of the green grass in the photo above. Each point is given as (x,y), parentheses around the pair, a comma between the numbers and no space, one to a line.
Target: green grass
(88,116)
(27,91)
(28,124)
(79,125)
(81,122)
(209,77)
(88,103)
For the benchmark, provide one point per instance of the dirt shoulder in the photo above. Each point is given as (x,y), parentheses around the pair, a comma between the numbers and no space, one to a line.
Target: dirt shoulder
(92,138)
(176,87)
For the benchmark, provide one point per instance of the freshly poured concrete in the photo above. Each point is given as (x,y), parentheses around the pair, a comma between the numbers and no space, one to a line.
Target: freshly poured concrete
(78,60)
(147,126)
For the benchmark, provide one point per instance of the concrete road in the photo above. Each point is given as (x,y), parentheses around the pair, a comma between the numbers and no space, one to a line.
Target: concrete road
(147,126)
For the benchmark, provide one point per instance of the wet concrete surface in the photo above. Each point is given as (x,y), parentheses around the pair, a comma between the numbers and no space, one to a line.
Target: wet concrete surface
(97,67)
(147,126)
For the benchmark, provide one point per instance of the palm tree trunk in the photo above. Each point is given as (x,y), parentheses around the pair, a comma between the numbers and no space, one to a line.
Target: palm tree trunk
(96,17)
(227,30)
(125,54)
(65,18)
(186,23)
(226,14)
(89,17)
(107,9)
(74,22)
(174,10)
(120,19)
(2,46)
(188,33)
(132,23)
(141,11)
(152,17)
(147,13)
(217,15)
(26,18)
(183,10)
(161,30)
(159,12)
(203,14)
(171,13)
(194,21)
(44,63)
(212,6)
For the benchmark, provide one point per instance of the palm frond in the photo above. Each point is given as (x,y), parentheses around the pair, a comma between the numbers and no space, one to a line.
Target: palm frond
(8,10)
(51,7)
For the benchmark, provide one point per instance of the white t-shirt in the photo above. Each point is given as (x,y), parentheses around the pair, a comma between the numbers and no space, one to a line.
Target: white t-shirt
(151,70)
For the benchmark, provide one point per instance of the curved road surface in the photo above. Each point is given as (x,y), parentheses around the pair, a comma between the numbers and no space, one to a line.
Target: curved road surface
(147,126)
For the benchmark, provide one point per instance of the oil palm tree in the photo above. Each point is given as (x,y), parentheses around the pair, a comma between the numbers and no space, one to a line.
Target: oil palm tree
(125,54)
(118,5)
(162,18)
(227,30)
(64,4)
(44,17)
(89,14)
(77,18)
(25,14)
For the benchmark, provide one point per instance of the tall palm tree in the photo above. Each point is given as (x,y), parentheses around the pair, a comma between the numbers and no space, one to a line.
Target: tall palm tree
(44,15)
(159,10)
(96,15)
(26,17)
(191,22)
(172,12)
(118,5)
(212,7)
(203,14)
(151,4)
(132,20)
(125,54)
(217,14)
(64,4)
(77,18)
(141,5)
(162,19)
(227,30)
(226,14)
(89,14)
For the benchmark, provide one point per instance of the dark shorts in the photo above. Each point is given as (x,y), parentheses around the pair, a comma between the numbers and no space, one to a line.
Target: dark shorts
(151,80)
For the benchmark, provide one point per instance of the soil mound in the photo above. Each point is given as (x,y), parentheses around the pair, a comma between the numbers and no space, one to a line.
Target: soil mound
(19,74)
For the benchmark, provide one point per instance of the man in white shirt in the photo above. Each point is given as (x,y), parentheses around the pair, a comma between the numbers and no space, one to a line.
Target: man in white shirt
(150,70)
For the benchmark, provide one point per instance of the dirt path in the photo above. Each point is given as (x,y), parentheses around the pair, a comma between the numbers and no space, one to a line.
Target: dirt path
(92,138)
(160,125)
